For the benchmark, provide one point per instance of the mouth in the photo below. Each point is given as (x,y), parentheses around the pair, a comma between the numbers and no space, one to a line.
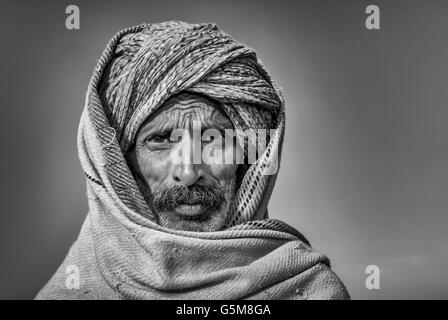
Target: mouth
(192,211)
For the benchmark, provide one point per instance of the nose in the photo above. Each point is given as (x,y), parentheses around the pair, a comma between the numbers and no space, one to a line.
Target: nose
(188,171)
(187,174)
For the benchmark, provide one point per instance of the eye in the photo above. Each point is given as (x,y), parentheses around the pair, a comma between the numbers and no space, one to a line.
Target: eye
(158,139)
(161,139)
(216,135)
(208,138)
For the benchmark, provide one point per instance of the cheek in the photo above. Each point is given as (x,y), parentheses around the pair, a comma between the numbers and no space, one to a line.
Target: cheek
(223,171)
(154,166)
(226,170)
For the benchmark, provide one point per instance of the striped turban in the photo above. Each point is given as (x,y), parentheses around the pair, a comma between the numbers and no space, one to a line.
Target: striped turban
(164,59)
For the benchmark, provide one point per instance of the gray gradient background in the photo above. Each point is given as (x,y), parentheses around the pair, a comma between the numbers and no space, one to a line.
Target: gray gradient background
(364,172)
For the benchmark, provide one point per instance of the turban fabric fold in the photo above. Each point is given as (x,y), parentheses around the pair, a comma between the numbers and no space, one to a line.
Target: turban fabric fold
(121,251)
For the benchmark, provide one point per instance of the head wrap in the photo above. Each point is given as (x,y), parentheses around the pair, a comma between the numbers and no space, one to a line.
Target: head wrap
(152,64)
(121,252)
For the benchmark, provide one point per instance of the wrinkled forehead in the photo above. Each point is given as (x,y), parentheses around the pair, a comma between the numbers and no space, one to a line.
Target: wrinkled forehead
(182,109)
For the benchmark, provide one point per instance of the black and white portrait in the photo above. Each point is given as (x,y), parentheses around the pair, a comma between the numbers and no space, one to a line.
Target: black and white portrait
(222,150)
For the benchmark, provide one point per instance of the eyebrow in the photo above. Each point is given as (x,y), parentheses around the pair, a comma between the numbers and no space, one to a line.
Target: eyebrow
(151,128)
(162,127)
(219,121)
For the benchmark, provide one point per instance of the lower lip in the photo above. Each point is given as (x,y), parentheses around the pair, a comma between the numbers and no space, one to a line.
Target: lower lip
(190,210)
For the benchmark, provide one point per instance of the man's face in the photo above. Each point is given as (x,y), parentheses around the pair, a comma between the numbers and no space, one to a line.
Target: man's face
(186,194)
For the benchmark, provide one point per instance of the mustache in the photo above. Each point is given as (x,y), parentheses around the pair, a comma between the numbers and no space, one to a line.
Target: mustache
(168,198)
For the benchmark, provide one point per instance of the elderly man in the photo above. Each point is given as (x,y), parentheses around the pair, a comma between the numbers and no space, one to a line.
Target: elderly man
(168,217)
